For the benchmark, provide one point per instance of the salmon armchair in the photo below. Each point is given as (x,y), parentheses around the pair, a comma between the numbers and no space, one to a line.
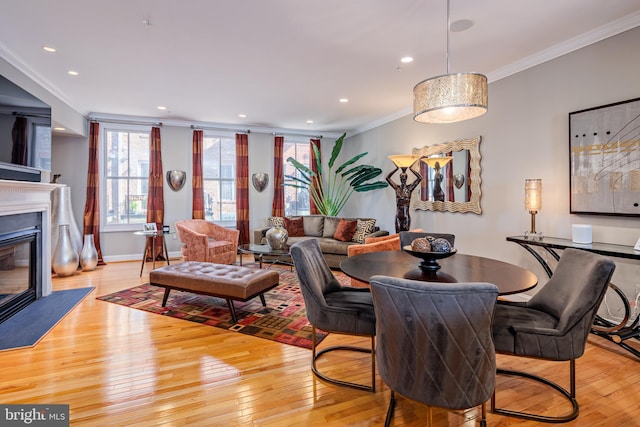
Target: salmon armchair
(205,241)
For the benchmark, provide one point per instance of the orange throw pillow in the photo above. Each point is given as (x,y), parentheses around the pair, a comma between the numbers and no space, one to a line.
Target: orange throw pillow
(345,231)
(294,226)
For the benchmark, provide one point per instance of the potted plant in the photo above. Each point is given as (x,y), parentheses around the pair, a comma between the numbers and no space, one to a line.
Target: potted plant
(331,190)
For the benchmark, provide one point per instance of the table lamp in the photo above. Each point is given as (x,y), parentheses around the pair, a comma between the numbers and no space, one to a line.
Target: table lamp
(533,204)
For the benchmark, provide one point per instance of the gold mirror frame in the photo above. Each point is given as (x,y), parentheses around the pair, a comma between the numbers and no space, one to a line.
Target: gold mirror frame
(473,205)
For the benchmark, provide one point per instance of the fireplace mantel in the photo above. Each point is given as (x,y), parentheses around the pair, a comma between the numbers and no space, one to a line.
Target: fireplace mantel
(18,197)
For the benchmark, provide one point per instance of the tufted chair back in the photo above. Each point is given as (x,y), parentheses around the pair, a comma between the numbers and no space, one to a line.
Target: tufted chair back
(434,340)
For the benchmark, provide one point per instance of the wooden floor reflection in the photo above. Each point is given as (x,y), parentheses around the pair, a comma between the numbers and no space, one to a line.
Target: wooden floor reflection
(117,366)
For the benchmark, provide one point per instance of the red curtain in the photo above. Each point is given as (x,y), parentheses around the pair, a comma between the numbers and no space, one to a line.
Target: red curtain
(314,167)
(468,175)
(197,181)
(91,220)
(277,209)
(19,137)
(450,195)
(155,197)
(424,184)
(242,187)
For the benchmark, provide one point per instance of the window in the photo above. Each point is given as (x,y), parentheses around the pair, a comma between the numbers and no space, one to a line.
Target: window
(126,177)
(296,200)
(219,175)
(42,151)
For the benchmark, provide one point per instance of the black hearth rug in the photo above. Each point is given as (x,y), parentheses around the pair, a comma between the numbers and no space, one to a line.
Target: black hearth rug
(29,325)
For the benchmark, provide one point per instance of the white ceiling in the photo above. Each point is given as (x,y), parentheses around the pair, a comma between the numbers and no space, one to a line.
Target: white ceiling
(283,62)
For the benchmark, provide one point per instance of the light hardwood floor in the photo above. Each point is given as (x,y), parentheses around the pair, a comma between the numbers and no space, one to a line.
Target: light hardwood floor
(117,366)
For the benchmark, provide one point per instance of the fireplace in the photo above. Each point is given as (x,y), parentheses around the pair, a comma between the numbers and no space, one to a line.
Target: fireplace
(25,244)
(20,275)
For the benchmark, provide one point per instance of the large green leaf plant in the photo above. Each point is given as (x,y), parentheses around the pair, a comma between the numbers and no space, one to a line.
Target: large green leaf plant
(331,189)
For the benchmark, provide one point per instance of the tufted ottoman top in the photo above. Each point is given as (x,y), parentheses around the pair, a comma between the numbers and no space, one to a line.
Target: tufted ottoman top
(219,279)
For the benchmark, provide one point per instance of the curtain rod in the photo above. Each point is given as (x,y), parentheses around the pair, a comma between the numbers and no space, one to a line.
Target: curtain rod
(40,116)
(296,134)
(128,122)
(196,127)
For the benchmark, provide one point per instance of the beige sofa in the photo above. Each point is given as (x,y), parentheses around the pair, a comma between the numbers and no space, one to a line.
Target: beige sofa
(323,228)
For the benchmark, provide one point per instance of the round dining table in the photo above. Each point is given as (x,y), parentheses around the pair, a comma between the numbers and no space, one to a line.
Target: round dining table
(458,268)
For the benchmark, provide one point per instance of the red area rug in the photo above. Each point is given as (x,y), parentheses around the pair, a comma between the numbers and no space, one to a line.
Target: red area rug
(283,319)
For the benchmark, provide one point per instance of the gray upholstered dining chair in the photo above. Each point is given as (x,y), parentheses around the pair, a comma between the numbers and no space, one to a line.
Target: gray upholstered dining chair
(434,342)
(332,307)
(406,237)
(554,324)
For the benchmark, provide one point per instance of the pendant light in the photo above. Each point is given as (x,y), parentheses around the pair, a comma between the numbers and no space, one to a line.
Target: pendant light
(452,97)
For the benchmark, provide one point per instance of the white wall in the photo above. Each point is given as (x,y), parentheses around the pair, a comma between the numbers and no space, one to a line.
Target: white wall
(70,158)
(525,135)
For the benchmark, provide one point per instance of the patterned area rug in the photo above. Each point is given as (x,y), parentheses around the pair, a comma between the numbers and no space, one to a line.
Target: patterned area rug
(283,319)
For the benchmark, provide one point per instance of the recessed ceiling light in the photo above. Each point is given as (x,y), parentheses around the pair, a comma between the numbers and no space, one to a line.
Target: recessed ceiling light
(460,25)
(48,49)
(59,128)
(344,100)
(72,73)
(406,60)
(242,116)
(161,107)
(309,122)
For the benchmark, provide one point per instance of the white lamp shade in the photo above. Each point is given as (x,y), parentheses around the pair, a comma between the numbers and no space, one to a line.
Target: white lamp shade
(440,161)
(533,195)
(450,98)
(403,161)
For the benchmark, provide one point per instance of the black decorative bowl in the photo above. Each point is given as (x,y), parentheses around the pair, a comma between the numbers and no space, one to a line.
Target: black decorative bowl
(429,259)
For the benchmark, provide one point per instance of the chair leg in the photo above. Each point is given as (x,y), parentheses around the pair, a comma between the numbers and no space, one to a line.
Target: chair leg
(568,395)
(315,356)
(392,405)
(483,409)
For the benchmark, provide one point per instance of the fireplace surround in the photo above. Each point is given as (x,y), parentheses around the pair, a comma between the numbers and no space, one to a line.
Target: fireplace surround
(25,239)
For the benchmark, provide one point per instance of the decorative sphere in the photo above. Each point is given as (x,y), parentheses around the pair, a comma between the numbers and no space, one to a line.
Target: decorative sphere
(441,245)
(421,244)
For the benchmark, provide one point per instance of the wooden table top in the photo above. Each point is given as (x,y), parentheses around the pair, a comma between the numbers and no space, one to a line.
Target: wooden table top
(509,278)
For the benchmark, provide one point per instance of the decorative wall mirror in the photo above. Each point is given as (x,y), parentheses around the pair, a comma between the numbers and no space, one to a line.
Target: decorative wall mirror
(450,176)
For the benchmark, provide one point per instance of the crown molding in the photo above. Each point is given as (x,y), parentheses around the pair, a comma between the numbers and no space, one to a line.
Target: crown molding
(228,127)
(591,37)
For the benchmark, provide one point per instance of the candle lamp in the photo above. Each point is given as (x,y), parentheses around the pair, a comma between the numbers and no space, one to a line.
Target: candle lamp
(533,204)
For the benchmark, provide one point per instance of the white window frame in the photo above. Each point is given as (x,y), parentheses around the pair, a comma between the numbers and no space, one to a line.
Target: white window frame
(297,140)
(222,135)
(104,128)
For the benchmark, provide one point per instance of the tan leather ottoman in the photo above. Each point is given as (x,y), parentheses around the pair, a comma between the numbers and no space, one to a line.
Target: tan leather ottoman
(230,282)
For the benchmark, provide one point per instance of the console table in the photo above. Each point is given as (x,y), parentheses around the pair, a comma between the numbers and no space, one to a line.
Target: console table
(614,332)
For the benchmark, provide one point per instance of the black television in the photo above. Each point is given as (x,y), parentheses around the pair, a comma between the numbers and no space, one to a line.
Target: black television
(25,134)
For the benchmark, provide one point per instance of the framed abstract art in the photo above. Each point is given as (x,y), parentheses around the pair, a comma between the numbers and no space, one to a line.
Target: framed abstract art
(604,153)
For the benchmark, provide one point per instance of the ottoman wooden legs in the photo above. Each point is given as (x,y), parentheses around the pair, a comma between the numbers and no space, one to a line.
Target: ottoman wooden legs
(232,308)
(230,282)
